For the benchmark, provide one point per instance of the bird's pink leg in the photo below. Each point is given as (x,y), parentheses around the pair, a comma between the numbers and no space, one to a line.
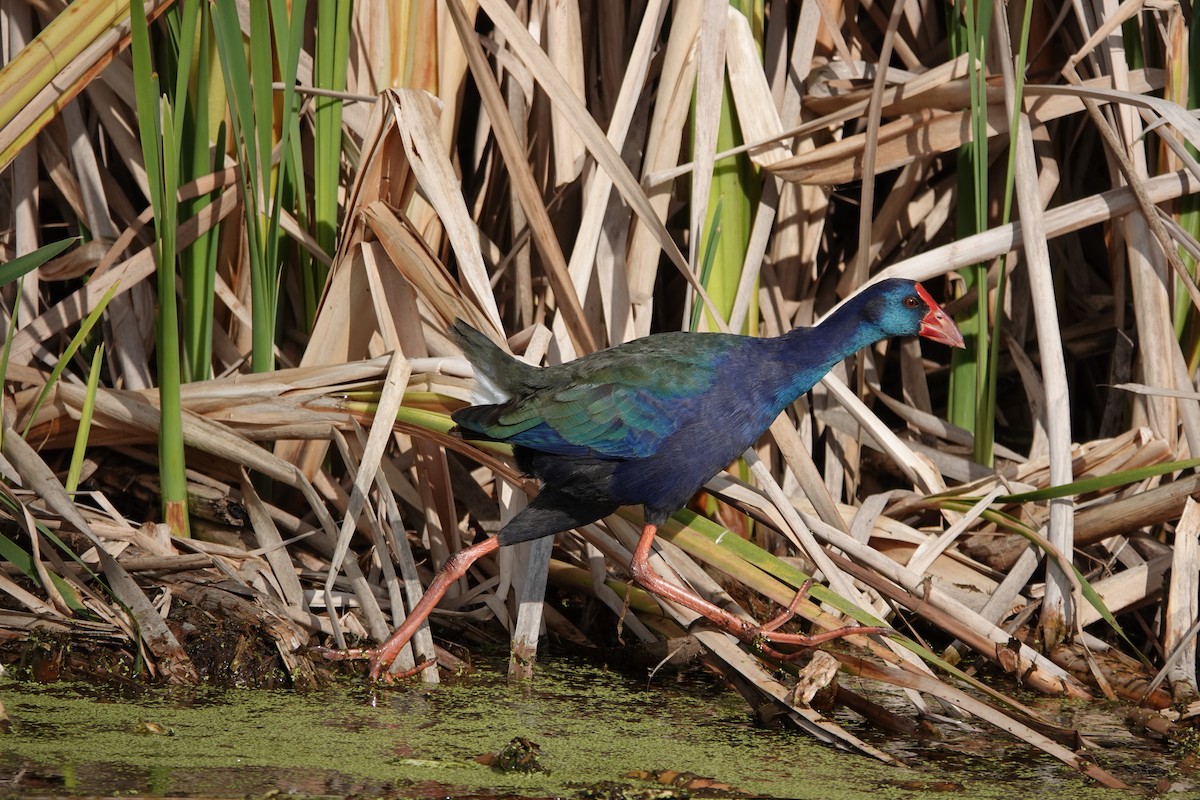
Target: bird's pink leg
(747,632)
(381,657)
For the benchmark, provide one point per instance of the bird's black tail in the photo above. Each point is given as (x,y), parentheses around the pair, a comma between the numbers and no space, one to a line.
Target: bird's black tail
(497,372)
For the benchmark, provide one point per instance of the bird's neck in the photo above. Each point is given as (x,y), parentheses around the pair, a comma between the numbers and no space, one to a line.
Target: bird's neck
(812,352)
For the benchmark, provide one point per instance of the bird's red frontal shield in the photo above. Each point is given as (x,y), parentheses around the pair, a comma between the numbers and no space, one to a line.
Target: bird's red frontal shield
(937,324)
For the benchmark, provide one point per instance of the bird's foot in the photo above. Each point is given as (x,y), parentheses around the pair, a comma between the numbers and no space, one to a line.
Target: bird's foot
(790,611)
(346,654)
(392,677)
(368,654)
(764,640)
(764,636)
(378,660)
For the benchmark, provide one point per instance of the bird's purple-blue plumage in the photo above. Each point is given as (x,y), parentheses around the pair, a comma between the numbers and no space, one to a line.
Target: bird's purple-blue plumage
(649,422)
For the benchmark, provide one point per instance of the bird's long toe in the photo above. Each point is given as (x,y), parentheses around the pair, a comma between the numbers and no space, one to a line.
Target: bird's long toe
(378,659)
(380,672)
(344,654)
(813,640)
(790,611)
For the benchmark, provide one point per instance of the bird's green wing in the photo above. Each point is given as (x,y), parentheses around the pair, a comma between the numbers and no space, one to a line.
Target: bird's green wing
(615,404)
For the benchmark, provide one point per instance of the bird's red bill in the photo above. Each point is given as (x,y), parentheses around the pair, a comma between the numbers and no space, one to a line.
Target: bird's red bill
(937,324)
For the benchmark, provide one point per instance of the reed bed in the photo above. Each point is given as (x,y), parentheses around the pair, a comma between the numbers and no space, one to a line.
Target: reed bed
(240,230)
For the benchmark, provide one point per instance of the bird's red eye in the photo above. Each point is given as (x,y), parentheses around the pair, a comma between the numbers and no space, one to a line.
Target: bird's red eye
(912,301)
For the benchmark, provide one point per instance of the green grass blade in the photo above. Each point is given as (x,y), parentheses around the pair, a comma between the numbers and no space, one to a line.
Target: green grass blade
(197,262)
(23,265)
(287,18)
(160,149)
(968,368)
(185,24)
(985,420)
(1101,482)
(708,254)
(16,555)
(1187,322)
(735,188)
(15,270)
(171,465)
(1083,486)
(273,27)
(5,352)
(85,422)
(240,90)
(77,340)
(236,74)
(262,95)
(146,92)
(329,72)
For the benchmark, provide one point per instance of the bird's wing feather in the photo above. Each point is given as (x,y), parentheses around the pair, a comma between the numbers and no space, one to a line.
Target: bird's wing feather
(617,407)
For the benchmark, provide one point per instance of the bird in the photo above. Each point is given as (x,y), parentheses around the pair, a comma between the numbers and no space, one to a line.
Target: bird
(648,423)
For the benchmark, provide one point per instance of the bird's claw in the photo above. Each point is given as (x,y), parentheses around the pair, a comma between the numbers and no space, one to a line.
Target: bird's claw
(345,654)
(391,677)
(763,638)
(370,655)
(376,660)
(790,611)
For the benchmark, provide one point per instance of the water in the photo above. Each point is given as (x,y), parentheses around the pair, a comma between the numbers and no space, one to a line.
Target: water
(595,729)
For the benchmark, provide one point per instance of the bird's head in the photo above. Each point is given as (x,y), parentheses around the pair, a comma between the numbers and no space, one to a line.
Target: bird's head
(903,308)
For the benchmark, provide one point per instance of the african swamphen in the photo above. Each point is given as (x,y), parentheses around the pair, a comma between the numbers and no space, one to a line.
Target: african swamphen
(649,423)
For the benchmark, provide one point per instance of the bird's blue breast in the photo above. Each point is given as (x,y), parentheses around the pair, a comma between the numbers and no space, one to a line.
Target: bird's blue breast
(711,432)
